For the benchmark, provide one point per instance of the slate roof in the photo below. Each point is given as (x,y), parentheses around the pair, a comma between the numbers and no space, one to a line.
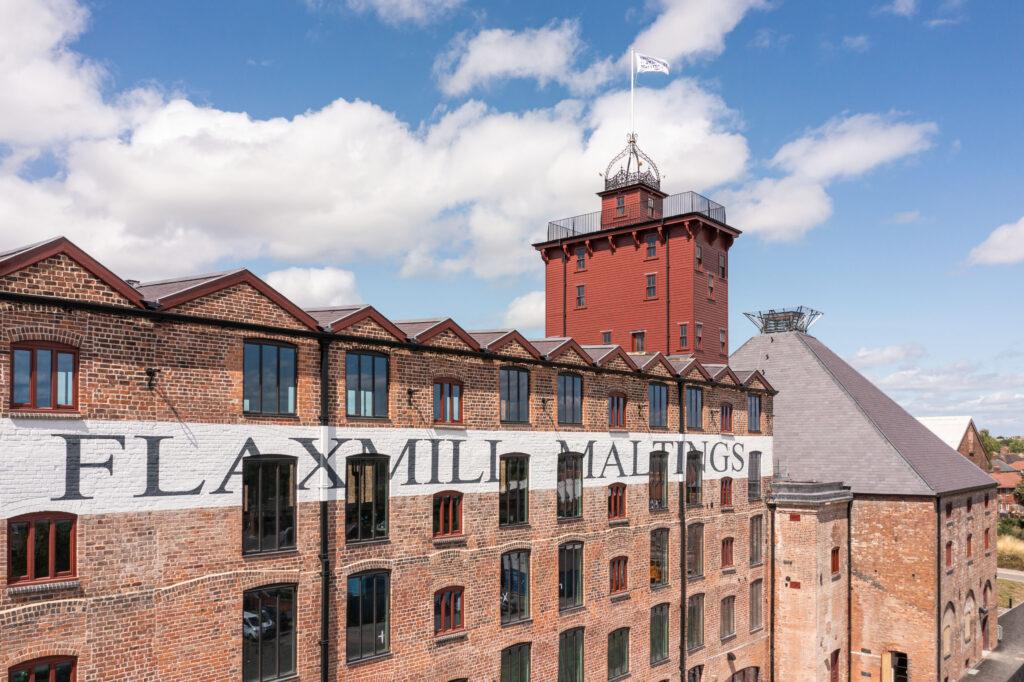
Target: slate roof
(154,291)
(549,345)
(832,423)
(413,328)
(325,317)
(1000,465)
(950,429)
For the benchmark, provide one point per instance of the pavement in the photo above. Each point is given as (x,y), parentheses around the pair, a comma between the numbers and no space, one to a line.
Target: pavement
(1005,664)
(1010,574)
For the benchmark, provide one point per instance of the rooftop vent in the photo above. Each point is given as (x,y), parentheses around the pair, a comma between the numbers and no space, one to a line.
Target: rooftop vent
(784,320)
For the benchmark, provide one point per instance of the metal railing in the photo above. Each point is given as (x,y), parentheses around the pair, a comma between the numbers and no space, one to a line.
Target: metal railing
(676,204)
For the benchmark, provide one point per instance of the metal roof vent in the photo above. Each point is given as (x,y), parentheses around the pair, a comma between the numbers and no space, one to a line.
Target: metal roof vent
(784,320)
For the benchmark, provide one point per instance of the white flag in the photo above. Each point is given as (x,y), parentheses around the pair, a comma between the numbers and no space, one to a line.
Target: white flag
(645,64)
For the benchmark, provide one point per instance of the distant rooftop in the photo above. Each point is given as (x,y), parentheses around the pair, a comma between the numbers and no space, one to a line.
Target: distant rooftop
(784,320)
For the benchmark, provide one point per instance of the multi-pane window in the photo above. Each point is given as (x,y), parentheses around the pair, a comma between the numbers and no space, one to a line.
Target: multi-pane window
(695,674)
(44,376)
(754,477)
(726,418)
(695,621)
(657,404)
(514,390)
(268,378)
(447,401)
(268,633)
(694,406)
(754,413)
(56,669)
(570,575)
(835,560)
(652,286)
(699,339)
(727,617)
(721,340)
(581,296)
(41,547)
(695,550)
(620,205)
(659,556)
(657,483)
(684,336)
(513,489)
(570,656)
(618,575)
(727,554)
(617,501)
(515,586)
(900,666)
(651,241)
(617,411)
(366,385)
(756,539)
(367,619)
(570,485)
(639,341)
(447,513)
(694,477)
(448,610)
(756,605)
(949,554)
(725,498)
(515,663)
(650,206)
(711,285)
(659,633)
(268,504)
(581,258)
(699,255)
(606,337)
(721,265)
(570,399)
(618,653)
(366,498)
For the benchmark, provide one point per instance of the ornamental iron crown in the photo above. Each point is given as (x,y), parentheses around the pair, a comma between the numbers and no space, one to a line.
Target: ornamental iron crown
(631,161)
(784,320)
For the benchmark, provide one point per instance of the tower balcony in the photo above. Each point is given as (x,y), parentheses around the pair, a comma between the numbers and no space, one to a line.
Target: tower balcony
(635,213)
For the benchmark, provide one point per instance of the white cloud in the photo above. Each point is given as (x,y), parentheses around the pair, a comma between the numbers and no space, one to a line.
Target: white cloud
(885,355)
(1005,245)
(526,312)
(767,38)
(858,43)
(691,29)
(547,54)
(905,217)
(394,12)
(310,287)
(901,8)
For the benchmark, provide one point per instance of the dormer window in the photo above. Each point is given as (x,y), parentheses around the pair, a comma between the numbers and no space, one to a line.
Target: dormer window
(44,376)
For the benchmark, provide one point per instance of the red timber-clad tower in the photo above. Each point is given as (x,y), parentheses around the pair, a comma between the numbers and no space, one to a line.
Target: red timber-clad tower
(648,272)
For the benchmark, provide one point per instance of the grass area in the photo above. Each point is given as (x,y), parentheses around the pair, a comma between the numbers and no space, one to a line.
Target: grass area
(1010,552)
(1007,590)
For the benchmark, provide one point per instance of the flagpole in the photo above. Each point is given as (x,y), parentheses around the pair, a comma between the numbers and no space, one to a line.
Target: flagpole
(632,78)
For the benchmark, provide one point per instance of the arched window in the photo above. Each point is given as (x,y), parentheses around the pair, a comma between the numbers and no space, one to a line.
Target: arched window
(949,554)
(657,481)
(268,633)
(368,621)
(617,501)
(948,618)
(366,498)
(570,485)
(618,575)
(41,547)
(447,513)
(970,617)
(726,418)
(448,610)
(513,489)
(51,669)
(726,492)
(727,558)
(44,376)
(986,595)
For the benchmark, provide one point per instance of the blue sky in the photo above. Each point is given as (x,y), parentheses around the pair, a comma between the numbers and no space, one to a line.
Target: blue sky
(406,153)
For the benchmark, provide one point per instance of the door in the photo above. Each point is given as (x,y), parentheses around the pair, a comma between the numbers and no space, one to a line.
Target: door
(984,634)
(833,666)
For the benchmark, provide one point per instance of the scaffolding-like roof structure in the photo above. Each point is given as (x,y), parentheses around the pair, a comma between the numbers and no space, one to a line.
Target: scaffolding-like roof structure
(774,321)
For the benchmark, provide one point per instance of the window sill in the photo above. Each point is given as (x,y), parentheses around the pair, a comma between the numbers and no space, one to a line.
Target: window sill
(617,429)
(949,571)
(572,610)
(836,576)
(271,415)
(562,520)
(291,551)
(46,414)
(728,570)
(660,586)
(655,664)
(659,510)
(757,564)
(514,526)
(693,649)
(724,508)
(17,589)
(368,543)
(728,638)
(451,637)
(759,628)
(450,541)
(362,418)
(970,562)
(524,621)
(695,578)
(619,596)
(369,660)
(520,422)
(623,676)
(458,426)
(618,523)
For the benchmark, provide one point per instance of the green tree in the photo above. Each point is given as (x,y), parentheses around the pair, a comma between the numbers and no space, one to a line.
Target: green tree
(1018,492)
(990,443)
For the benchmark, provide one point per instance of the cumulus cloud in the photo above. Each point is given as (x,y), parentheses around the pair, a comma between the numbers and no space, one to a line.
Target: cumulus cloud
(526,312)
(845,147)
(1004,246)
(886,355)
(394,12)
(901,8)
(692,29)
(310,287)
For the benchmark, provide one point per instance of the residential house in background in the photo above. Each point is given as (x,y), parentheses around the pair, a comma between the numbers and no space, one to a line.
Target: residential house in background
(961,434)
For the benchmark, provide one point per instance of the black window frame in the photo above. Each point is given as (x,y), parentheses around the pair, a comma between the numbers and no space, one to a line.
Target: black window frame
(379,583)
(570,398)
(754,408)
(515,566)
(255,518)
(694,621)
(570,575)
(657,481)
(695,550)
(278,346)
(756,543)
(756,604)
(581,295)
(353,385)
(569,485)
(618,659)
(515,411)
(512,663)
(264,613)
(694,483)
(571,659)
(694,407)
(353,508)
(727,626)
(659,559)
(659,633)
(657,404)
(513,503)
(754,476)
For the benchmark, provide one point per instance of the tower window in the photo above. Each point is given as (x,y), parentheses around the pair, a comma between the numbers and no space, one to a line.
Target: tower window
(639,339)
(606,337)
(698,341)
(651,241)
(721,265)
(581,258)
(620,205)
(650,206)
(652,286)
(684,336)
(699,254)
(711,285)
(581,296)
(721,340)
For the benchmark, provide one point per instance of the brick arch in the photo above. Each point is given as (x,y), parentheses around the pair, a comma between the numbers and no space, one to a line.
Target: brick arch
(515,545)
(44,333)
(571,537)
(367,565)
(251,581)
(34,651)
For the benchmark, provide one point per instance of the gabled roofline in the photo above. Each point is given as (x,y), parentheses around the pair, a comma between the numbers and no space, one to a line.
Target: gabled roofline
(657,357)
(568,344)
(446,325)
(760,377)
(19,260)
(727,370)
(613,352)
(695,363)
(234,278)
(507,338)
(368,312)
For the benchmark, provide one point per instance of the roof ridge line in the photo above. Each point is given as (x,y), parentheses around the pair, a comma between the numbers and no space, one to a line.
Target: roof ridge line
(874,424)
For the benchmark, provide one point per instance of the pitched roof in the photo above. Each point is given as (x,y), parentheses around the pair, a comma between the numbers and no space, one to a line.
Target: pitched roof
(165,288)
(549,345)
(950,429)
(1018,465)
(325,317)
(1007,479)
(831,422)
(1001,465)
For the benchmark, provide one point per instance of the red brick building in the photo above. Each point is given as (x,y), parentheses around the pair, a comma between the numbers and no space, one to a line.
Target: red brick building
(961,434)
